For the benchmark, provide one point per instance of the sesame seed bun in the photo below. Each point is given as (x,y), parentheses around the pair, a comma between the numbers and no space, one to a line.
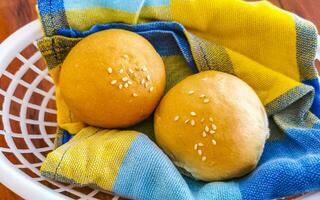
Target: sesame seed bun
(112,79)
(212,125)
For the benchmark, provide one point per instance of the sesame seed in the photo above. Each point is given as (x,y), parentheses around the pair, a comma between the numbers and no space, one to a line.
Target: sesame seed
(113,82)
(211,119)
(212,132)
(206,129)
(195,147)
(130,71)
(135,94)
(202,120)
(193,123)
(145,84)
(204,134)
(124,79)
(191,92)
(142,81)
(200,144)
(206,100)
(130,82)
(205,79)
(176,118)
(120,86)
(151,89)
(126,85)
(125,56)
(200,152)
(214,127)
(204,158)
(186,121)
(214,142)
(148,77)
(202,95)
(121,71)
(109,70)
(193,114)
(144,69)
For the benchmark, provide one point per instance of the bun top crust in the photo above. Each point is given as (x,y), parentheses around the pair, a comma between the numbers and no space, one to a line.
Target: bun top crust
(112,79)
(212,125)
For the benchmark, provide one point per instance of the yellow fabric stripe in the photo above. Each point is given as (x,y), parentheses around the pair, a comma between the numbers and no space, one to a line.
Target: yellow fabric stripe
(65,118)
(149,13)
(271,85)
(237,32)
(54,73)
(99,166)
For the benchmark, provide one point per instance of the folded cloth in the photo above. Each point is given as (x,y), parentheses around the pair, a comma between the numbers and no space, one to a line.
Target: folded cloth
(272,50)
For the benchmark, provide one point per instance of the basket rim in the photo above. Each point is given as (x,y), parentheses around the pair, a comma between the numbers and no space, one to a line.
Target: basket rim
(10,176)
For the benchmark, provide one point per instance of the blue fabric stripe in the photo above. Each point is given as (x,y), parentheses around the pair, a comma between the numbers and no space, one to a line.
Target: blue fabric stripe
(52,15)
(168,38)
(286,176)
(291,166)
(215,190)
(146,164)
(50,7)
(157,2)
(316,101)
(131,6)
(66,137)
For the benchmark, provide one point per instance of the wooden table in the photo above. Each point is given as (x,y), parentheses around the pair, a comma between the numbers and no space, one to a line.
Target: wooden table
(16,13)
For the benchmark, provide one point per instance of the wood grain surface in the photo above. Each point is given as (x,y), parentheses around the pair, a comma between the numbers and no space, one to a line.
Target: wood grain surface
(16,13)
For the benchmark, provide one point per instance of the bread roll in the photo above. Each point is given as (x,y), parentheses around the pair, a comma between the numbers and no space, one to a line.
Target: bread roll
(112,79)
(212,125)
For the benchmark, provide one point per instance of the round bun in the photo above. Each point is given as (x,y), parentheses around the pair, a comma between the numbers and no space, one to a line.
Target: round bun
(112,79)
(212,125)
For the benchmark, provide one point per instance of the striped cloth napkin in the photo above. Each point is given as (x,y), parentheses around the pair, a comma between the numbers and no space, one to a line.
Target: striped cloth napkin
(270,49)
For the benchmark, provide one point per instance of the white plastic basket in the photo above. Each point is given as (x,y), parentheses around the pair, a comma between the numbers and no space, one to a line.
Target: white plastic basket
(28,115)
(29,120)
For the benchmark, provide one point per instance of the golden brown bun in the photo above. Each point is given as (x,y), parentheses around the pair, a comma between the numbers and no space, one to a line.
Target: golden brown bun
(237,126)
(112,79)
